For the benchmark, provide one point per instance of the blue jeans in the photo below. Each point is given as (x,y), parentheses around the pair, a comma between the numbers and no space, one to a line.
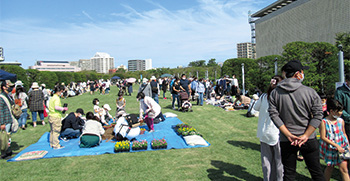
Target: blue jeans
(175,96)
(41,115)
(70,133)
(155,97)
(23,118)
(163,94)
(200,98)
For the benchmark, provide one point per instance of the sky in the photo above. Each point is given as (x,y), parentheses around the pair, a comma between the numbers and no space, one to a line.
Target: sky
(170,32)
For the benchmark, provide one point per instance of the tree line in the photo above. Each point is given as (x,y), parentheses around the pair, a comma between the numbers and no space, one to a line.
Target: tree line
(320,56)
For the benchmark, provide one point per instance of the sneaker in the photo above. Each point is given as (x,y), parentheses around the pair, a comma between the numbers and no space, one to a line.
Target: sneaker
(151,131)
(43,123)
(164,97)
(64,139)
(57,148)
(7,155)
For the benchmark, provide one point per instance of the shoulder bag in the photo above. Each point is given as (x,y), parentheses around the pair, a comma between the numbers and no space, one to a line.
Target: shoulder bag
(14,126)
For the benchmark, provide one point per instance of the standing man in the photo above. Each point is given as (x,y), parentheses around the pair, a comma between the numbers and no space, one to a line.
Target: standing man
(5,113)
(185,83)
(155,89)
(297,111)
(55,117)
(223,84)
(342,94)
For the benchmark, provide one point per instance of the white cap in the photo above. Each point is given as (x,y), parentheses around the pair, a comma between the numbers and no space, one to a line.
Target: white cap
(106,106)
(153,78)
(144,80)
(255,97)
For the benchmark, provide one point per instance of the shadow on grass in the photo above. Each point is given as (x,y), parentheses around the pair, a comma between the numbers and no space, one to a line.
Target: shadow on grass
(236,172)
(244,145)
(15,146)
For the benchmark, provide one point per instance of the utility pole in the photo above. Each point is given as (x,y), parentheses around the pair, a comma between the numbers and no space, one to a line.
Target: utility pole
(243,90)
(276,69)
(341,63)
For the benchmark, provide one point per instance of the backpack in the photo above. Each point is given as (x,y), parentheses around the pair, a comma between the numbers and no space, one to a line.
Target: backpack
(154,87)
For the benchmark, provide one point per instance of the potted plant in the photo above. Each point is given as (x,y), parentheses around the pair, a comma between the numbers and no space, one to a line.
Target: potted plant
(139,145)
(159,144)
(122,146)
(142,131)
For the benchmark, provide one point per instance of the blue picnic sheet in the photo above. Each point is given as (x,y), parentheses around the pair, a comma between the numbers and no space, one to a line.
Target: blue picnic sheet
(71,148)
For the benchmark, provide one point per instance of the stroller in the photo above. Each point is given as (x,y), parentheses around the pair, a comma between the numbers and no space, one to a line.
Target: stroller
(185,104)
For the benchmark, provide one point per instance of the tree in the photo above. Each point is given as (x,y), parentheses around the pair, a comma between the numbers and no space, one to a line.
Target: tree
(322,60)
(266,70)
(344,40)
(234,66)
(198,63)
(212,62)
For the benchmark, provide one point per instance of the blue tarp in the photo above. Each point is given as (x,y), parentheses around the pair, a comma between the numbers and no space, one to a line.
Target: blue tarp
(7,76)
(71,148)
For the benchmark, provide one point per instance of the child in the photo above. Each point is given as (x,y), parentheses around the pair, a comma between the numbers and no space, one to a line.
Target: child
(334,140)
(120,102)
(97,110)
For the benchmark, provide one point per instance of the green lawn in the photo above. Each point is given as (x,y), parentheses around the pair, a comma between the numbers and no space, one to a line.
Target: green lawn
(233,155)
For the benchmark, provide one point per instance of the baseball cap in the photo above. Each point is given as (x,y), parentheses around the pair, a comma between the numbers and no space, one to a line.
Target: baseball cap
(106,106)
(80,110)
(294,66)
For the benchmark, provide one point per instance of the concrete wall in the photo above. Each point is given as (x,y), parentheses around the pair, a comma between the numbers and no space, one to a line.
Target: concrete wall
(302,20)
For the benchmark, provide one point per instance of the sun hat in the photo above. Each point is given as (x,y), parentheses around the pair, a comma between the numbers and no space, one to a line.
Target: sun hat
(35,85)
(18,82)
(8,82)
(106,106)
(153,78)
(144,80)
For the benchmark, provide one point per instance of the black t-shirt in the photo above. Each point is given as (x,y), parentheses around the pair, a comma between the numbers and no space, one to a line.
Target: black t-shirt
(184,84)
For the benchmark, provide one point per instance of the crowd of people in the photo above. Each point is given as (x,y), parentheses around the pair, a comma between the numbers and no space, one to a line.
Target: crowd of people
(289,114)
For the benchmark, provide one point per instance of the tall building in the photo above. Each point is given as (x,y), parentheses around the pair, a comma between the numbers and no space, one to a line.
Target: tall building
(245,50)
(85,64)
(54,66)
(136,65)
(286,21)
(2,58)
(102,62)
(148,64)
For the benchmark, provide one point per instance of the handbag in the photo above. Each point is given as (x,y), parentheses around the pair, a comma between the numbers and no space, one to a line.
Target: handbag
(15,125)
(4,139)
(345,155)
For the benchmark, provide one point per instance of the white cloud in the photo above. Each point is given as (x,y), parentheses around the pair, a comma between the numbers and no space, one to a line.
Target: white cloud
(170,38)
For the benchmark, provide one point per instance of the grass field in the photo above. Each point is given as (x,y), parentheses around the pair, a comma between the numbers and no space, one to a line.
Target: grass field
(234,153)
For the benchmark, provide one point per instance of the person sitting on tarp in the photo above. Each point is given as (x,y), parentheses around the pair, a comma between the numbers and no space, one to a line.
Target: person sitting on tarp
(92,131)
(251,111)
(241,102)
(106,117)
(127,127)
(72,125)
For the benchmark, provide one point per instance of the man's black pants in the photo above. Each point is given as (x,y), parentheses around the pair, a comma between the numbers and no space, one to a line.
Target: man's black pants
(311,153)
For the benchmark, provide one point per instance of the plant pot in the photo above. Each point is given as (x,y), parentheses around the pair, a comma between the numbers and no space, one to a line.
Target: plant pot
(159,147)
(121,150)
